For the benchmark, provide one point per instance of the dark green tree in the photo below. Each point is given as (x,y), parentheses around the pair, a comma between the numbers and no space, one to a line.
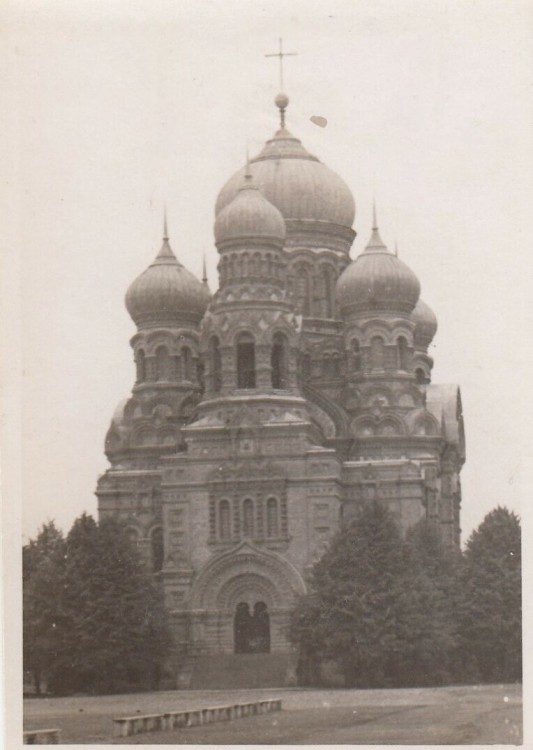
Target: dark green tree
(113,631)
(371,607)
(491,603)
(42,571)
(435,569)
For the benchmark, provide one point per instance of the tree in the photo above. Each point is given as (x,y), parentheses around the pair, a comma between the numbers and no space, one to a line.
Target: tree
(114,634)
(491,604)
(93,615)
(42,568)
(371,606)
(435,569)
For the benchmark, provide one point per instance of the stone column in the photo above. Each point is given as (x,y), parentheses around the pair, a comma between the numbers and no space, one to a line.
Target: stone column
(263,367)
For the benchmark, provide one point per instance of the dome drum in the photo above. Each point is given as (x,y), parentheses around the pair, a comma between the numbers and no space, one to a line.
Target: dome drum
(318,235)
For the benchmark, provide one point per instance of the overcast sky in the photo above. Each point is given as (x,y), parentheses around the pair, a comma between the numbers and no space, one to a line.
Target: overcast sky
(115,108)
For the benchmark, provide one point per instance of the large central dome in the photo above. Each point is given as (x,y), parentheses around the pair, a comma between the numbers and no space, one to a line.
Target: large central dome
(316,204)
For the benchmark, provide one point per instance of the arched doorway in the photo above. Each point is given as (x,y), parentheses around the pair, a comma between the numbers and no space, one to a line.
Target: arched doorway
(251,631)
(242,627)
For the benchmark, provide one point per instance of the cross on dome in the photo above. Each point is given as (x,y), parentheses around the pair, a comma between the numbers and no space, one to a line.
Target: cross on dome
(282,100)
(280,55)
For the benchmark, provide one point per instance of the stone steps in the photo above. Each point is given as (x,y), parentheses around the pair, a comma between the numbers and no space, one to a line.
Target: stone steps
(238,671)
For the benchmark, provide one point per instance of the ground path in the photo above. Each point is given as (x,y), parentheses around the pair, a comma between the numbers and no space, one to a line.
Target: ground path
(452,715)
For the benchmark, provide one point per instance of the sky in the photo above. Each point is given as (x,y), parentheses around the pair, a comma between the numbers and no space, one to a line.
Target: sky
(114,109)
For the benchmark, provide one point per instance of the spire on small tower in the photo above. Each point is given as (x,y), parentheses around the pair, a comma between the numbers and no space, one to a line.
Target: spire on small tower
(165,224)
(166,251)
(375,243)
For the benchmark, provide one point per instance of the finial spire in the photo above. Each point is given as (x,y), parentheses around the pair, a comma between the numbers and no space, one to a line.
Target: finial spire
(165,224)
(376,243)
(165,254)
(204,272)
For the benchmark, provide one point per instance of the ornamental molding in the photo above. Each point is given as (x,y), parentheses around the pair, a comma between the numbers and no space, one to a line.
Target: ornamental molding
(245,568)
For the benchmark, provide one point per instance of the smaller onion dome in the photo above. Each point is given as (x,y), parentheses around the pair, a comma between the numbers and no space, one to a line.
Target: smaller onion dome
(376,281)
(166,293)
(249,216)
(425,322)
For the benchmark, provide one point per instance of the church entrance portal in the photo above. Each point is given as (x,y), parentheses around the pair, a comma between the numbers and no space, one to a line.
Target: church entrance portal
(251,631)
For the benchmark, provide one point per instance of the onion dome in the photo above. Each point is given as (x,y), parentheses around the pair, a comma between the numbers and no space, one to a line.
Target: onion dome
(377,281)
(425,322)
(166,293)
(249,216)
(309,195)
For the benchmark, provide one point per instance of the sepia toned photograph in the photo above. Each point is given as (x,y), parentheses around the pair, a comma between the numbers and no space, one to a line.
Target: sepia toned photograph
(266,295)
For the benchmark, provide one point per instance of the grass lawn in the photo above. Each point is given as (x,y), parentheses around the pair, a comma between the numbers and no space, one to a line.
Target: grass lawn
(484,714)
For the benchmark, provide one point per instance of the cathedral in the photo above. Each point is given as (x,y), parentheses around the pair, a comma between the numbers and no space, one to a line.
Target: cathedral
(264,413)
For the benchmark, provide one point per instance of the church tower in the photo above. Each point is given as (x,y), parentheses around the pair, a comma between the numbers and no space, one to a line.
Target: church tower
(167,303)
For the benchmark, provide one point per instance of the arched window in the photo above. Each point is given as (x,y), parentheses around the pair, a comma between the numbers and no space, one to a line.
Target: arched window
(157,549)
(141,366)
(420,376)
(272,517)
(248,518)
(279,361)
(328,280)
(200,371)
(186,363)
(377,353)
(403,354)
(245,361)
(303,288)
(216,364)
(162,363)
(356,355)
(224,520)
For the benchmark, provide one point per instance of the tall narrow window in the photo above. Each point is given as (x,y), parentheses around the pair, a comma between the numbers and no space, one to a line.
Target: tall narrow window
(224,522)
(157,549)
(279,361)
(328,280)
(248,518)
(303,288)
(272,517)
(377,353)
(186,363)
(216,365)
(245,361)
(141,366)
(162,363)
(420,376)
(403,354)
